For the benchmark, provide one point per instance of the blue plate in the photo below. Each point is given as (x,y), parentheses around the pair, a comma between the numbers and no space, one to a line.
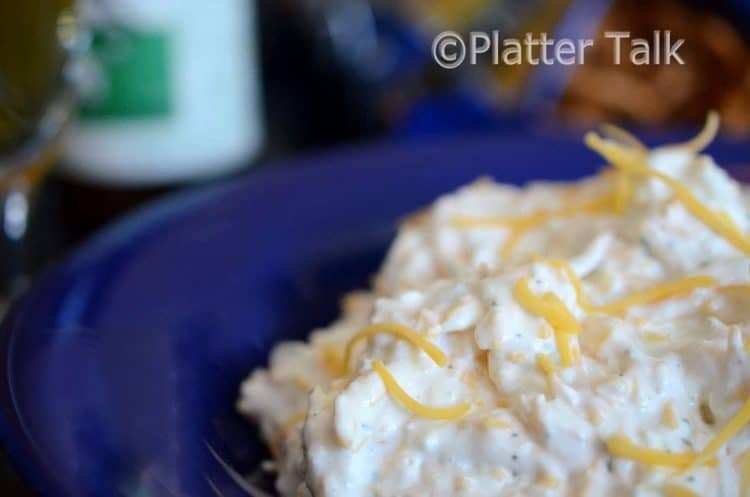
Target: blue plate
(121,365)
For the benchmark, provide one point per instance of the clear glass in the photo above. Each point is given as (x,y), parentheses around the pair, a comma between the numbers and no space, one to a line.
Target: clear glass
(40,41)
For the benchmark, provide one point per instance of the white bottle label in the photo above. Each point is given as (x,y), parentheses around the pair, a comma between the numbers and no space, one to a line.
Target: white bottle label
(171,92)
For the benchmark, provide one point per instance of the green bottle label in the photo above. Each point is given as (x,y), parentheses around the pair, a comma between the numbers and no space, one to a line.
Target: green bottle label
(132,75)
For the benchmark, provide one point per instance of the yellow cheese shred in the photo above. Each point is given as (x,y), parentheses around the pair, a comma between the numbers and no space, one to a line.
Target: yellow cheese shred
(658,293)
(621,446)
(705,137)
(565,267)
(510,243)
(633,163)
(545,364)
(622,192)
(548,305)
(555,312)
(395,391)
(732,428)
(399,331)
(677,491)
(520,225)
(628,157)
(652,295)
(622,136)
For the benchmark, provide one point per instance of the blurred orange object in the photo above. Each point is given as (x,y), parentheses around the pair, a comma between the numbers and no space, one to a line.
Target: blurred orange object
(716,74)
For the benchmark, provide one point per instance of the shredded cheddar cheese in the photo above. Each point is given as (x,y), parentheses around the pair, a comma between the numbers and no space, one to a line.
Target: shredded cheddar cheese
(652,295)
(519,226)
(658,293)
(620,446)
(677,491)
(622,192)
(705,137)
(633,163)
(732,428)
(565,267)
(513,238)
(394,390)
(545,364)
(399,331)
(548,305)
(562,341)
(544,332)
(622,136)
(554,311)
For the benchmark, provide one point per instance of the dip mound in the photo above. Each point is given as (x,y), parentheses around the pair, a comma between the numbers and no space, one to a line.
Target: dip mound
(578,339)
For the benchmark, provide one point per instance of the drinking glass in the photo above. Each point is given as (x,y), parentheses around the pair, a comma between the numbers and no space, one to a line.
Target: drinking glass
(40,44)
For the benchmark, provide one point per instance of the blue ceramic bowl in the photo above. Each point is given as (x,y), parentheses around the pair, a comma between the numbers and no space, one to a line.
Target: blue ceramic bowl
(120,367)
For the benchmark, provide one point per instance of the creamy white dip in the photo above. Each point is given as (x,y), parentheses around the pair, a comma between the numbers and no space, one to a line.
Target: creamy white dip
(665,374)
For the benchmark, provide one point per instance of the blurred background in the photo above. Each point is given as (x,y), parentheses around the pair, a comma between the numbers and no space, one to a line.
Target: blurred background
(108,104)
